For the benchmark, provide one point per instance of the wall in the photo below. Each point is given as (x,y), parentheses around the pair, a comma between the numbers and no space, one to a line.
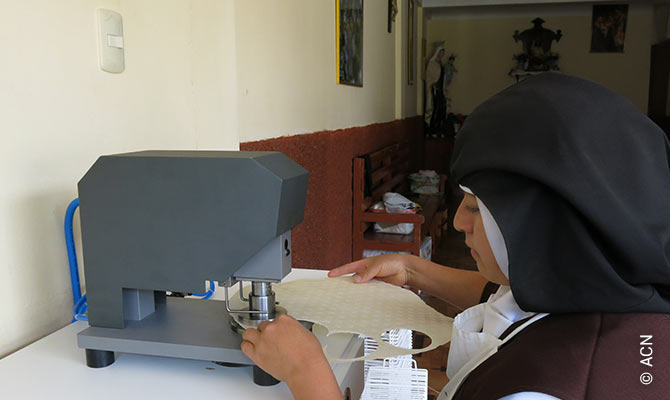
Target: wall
(290,102)
(483,43)
(323,240)
(60,112)
(287,70)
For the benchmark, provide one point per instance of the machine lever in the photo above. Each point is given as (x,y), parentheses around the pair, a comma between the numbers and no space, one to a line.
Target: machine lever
(242,293)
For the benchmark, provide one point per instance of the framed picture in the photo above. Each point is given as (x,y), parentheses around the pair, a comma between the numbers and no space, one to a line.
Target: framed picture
(608,28)
(349,15)
(410,43)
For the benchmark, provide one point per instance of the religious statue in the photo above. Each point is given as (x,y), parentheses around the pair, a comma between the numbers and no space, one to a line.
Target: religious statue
(537,54)
(439,74)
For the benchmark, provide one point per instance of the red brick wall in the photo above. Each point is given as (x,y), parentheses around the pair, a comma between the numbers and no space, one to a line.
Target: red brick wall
(323,240)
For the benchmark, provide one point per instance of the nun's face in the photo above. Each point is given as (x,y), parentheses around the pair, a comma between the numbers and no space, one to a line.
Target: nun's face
(469,220)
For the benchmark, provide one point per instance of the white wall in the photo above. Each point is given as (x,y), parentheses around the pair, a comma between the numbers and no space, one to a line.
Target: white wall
(60,112)
(287,69)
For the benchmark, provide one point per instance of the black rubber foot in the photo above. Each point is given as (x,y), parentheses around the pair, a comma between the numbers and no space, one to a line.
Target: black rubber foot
(99,358)
(262,378)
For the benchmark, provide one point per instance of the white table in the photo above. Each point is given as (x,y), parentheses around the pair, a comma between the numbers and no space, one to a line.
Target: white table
(55,368)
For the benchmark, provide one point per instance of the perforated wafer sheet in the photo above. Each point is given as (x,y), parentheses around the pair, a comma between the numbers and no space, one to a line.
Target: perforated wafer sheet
(369,309)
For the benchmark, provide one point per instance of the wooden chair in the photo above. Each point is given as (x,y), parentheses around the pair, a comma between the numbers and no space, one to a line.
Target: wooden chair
(386,170)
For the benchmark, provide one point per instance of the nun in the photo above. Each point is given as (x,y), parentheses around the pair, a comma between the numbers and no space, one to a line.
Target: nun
(566,211)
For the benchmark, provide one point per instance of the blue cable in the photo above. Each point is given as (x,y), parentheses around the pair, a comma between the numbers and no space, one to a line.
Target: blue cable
(208,293)
(80,306)
(71,251)
(79,310)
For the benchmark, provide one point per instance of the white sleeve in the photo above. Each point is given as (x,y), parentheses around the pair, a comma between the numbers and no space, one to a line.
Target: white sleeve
(529,396)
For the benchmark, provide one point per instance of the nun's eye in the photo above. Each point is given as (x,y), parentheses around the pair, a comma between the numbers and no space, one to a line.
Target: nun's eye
(472,210)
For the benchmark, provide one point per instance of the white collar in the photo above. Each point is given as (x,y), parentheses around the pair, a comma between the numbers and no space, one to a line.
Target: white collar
(477,329)
(502,311)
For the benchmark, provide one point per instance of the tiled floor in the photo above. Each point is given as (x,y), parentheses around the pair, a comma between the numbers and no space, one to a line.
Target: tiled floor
(451,252)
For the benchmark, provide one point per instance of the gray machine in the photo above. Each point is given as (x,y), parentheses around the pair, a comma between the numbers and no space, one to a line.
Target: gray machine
(158,221)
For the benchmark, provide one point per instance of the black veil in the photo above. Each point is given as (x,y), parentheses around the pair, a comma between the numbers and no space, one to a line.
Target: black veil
(578,181)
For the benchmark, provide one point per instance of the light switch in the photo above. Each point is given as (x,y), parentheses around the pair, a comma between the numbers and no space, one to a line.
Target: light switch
(115,41)
(110,41)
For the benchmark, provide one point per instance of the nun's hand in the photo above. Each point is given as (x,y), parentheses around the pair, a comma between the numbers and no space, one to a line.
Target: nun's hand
(390,268)
(287,351)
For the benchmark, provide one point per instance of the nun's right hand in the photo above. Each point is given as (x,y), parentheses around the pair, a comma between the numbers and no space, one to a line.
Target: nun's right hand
(390,268)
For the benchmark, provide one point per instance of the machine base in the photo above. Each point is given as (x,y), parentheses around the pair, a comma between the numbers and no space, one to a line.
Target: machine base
(201,330)
(182,328)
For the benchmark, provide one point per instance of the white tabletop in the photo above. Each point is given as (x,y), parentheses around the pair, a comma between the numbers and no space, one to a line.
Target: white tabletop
(54,367)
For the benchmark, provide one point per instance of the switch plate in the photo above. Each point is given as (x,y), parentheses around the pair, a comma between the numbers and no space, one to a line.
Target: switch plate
(110,41)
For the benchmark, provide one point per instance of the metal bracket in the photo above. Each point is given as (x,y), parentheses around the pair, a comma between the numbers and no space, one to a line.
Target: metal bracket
(225,290)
